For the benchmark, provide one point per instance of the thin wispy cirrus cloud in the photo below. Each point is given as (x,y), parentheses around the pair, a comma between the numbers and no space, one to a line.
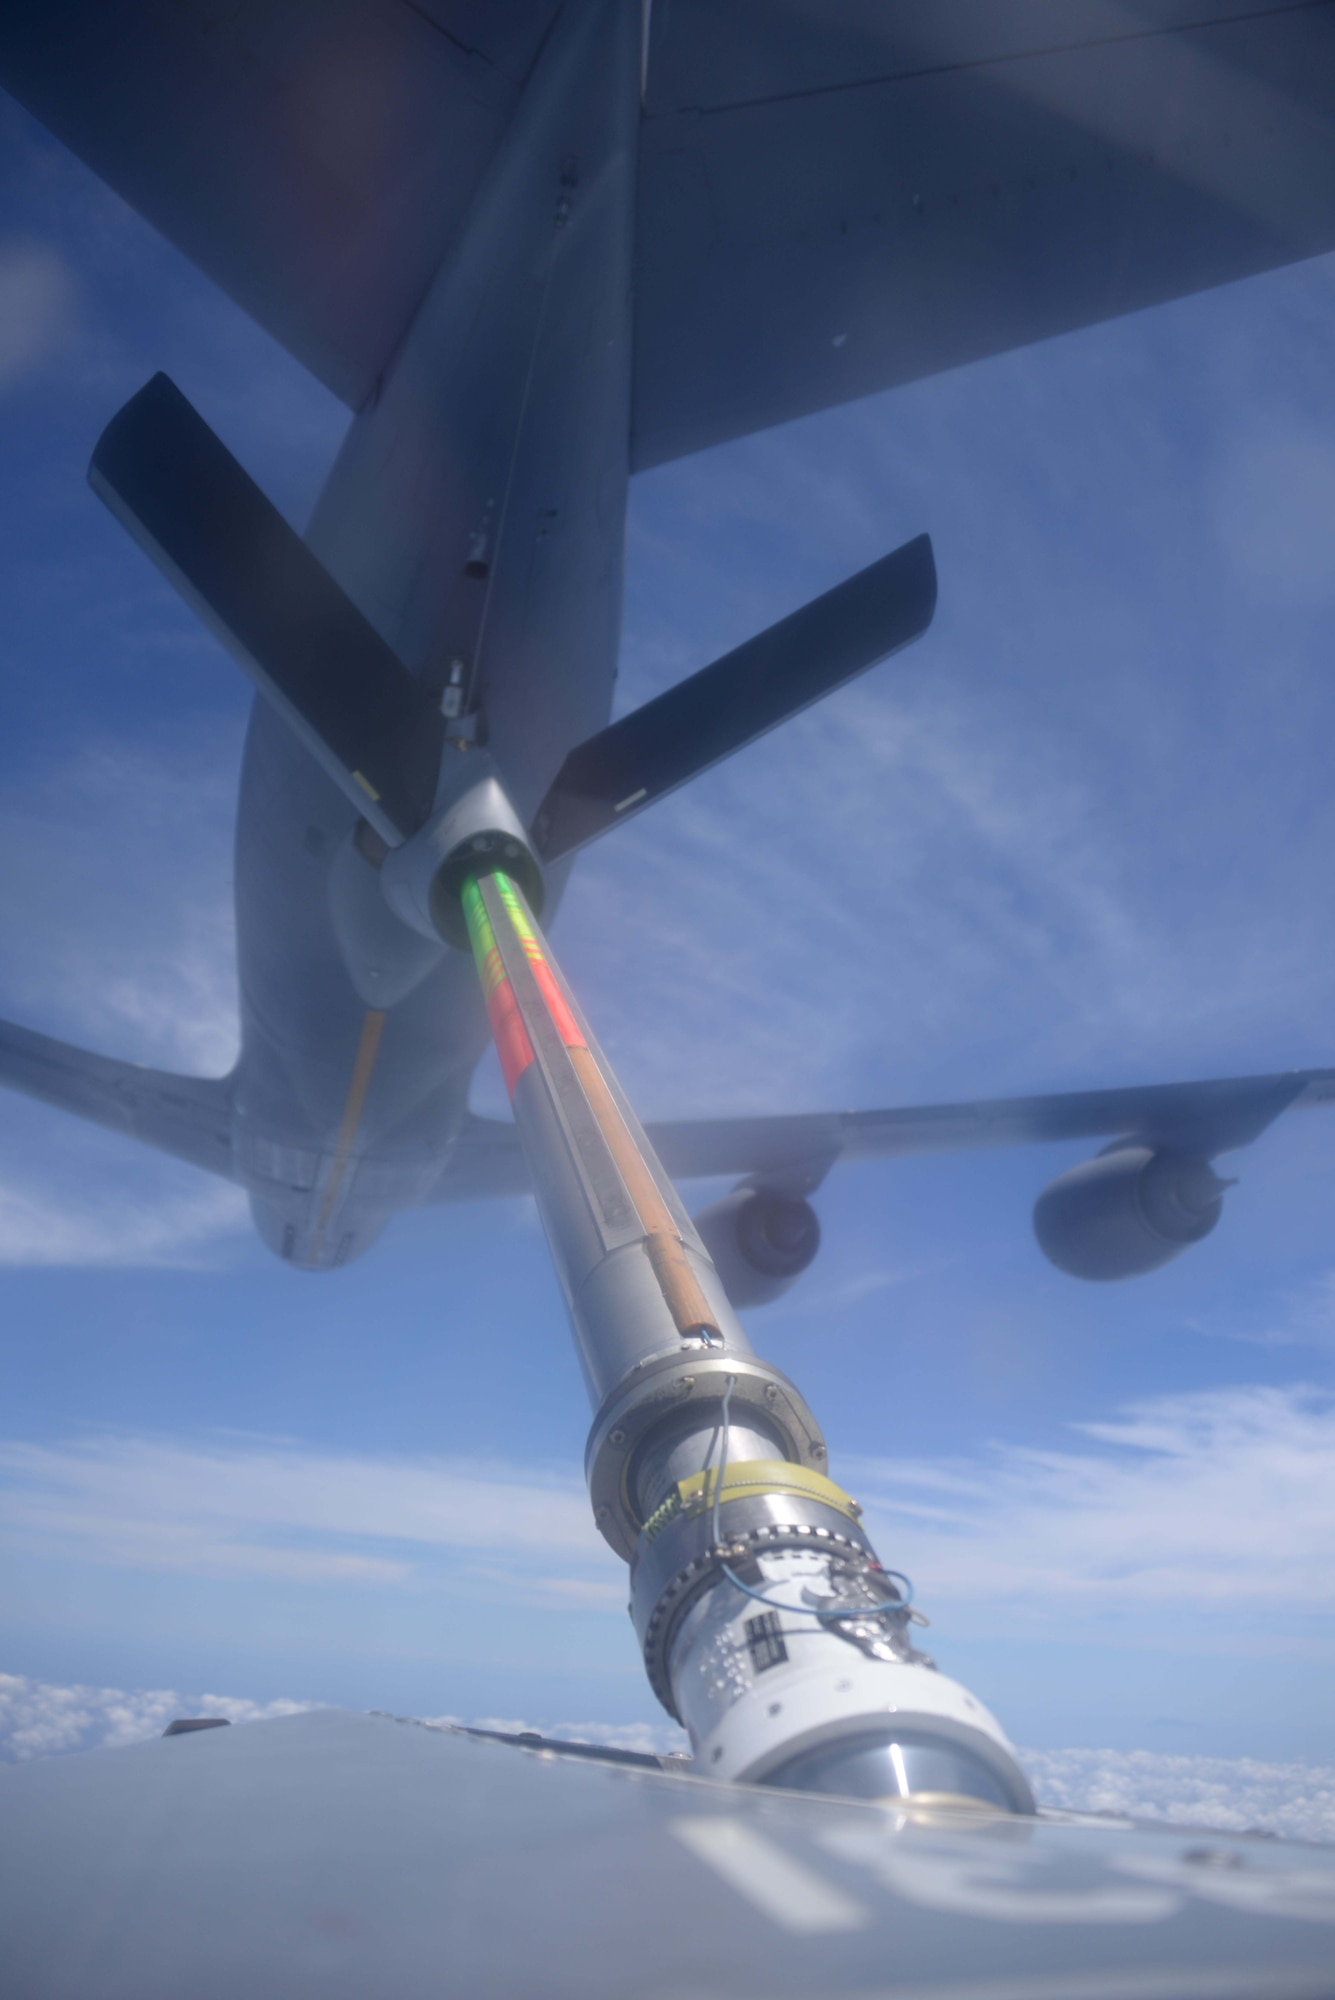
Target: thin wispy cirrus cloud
(38,308)
(1306,1318)
(117,929)
(117,933)
(1036,904)
(1193,1505)
(1215,1510)
(262,1509)
(1034,848)
(1273,506)
(173,1220)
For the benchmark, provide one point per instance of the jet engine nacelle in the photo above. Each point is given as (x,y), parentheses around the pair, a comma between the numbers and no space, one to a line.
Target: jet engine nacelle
(1126,1212)
(761,1241)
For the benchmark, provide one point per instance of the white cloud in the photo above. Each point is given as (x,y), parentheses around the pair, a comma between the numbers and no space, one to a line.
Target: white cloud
(1042,846)
(43,1718)
(1217,1507)
(1275,509)
(46,1719)
(37,302)
(1235,1794)
(173,1229)
(1039,902)
(573,1593)
(273,1509)
(1306,1318)
(1220,1504)
(117,925)
(116,933)
(847,1293)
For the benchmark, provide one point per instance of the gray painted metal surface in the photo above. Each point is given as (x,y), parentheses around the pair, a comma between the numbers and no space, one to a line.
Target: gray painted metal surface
(336,1855)
(931,180)
(840,195)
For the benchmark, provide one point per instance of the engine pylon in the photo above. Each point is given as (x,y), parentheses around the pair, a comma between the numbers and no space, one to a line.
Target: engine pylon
(768,1625)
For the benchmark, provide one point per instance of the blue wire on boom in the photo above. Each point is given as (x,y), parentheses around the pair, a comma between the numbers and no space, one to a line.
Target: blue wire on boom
(801,1610)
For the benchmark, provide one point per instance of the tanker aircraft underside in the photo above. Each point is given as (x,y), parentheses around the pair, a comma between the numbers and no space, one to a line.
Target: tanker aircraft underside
(452,613)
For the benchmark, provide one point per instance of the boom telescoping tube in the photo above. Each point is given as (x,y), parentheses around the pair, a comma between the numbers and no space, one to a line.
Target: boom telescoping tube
(769,1628)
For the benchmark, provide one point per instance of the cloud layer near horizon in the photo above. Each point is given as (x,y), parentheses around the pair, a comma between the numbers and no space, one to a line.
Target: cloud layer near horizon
(43,1719)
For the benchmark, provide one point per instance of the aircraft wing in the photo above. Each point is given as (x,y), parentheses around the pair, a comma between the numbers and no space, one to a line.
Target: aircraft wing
(835,195)
(314,157)
(348,1855)
(797,1151)
(188,1116)
(840,195)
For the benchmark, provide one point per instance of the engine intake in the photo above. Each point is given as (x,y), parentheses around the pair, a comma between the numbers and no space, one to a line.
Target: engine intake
(1130,1210)
(761,1241)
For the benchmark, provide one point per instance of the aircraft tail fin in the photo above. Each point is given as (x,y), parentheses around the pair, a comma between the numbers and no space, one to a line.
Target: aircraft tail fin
(704,719)
(187,1116)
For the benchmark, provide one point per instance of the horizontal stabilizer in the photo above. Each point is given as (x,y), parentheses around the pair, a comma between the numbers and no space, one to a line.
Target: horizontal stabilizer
(187,1116)
(729,704)
(254,582)
(796,1150)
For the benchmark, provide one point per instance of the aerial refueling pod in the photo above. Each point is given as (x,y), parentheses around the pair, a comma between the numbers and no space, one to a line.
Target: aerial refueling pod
(1130,1210)
(761,1241)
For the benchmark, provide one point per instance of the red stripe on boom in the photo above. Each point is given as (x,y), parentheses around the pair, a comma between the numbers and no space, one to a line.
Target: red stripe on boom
(511,1036)
(556,1006)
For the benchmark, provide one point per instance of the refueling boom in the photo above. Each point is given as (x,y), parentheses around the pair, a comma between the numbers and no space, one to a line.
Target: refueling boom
(769,1627)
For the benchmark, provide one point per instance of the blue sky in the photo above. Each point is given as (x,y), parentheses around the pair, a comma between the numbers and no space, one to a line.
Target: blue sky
(1080,835)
